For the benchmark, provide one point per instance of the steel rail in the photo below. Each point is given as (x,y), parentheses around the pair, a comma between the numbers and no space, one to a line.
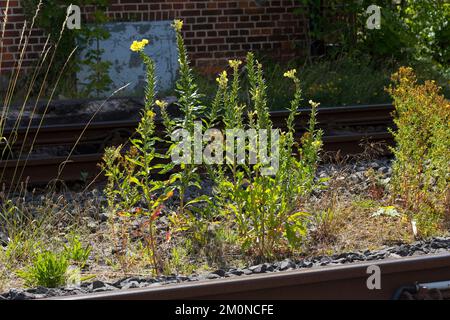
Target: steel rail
(41,171)
(330,282)
(67,134)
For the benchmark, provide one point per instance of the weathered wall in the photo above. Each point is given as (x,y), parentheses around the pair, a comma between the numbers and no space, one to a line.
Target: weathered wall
(126,66)
(215,30)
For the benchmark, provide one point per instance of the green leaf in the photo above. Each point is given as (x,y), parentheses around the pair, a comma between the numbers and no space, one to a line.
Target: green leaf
(203,198)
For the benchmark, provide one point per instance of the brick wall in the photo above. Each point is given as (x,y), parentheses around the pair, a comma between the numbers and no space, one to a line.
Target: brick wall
(12,35)
(214,31)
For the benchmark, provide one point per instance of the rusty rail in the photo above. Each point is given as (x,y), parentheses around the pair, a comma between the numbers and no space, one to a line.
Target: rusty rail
(331,282)
(100,134)
(67,134)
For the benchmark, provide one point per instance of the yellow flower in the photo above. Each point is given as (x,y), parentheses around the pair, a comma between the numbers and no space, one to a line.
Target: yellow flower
(234,63)
(138,46)
(161,104)
(317,144)
(222,79)
(290,74)
(178,25)
(313,104)
(150,114)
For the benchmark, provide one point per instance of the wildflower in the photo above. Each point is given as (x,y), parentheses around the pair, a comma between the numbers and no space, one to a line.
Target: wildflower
(150,114)
(317,144)
(314,104)
(234,63)
(162,104)
(290,74)
(138,46)
(222,79)
(257,94)
(178,25)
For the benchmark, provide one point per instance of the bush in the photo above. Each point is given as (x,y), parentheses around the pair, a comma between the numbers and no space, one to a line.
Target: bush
(421,173)
(48,270)
(51,15)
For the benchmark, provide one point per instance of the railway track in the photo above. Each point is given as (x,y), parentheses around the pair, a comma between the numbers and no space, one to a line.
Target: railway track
(334,282)
(347,281)
(95,136)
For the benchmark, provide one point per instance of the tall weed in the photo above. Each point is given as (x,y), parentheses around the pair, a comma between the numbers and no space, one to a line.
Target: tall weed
(421,171)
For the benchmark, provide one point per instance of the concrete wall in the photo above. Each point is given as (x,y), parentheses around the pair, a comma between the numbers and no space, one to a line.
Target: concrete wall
(127,66)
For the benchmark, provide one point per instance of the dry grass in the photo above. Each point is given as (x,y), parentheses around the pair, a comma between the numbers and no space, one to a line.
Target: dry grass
(343,218)
(342,221)
(357,229)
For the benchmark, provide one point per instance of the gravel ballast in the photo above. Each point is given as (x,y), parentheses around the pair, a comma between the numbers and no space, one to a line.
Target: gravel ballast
(432,246)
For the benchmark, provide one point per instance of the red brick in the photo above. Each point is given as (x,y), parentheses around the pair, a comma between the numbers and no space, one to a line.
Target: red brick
(214,30)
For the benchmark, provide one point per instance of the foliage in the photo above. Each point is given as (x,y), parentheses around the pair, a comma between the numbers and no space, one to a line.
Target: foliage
(119,191)
(332,25)
(347,79)
(10,216)
(184,176)
(21,248)
(429,21)
(51,19)
(24,231)
(48,270)
(190,107)
(76,252)
(411,28)
(179,260)
(344,80)
(326,227)
(263,207)
(420,171)
(413,32)
(130,175)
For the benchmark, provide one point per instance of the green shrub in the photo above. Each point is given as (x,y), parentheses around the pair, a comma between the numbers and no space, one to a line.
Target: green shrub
(48,269)
(264,207)
(421,172)
(76,252)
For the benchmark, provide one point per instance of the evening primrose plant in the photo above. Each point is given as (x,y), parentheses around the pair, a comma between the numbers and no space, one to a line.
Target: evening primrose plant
(130,180)
(259,202)
(264,207)
(191,109)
